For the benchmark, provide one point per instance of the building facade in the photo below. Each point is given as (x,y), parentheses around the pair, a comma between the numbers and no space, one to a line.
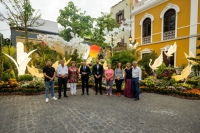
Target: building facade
(120,12)
(157,24)
(49,27)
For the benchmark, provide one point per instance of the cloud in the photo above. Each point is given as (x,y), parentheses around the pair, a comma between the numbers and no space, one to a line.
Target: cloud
(50,9)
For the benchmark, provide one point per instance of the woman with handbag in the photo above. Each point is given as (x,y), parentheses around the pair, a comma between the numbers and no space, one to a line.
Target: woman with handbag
(128,92)
(109,73)
(119,77)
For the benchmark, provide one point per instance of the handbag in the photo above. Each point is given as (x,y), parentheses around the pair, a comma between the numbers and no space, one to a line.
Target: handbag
(107,87)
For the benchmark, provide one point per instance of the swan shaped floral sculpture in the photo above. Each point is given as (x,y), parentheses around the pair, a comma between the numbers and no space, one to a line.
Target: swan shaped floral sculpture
(22,58)
(184,74)
(34,71)
(171,50)
(156,63)
(191,55)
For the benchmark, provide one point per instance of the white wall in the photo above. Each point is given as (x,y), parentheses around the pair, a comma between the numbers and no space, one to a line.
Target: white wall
(122,5)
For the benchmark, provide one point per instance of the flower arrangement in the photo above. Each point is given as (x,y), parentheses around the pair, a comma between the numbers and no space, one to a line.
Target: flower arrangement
(10,83)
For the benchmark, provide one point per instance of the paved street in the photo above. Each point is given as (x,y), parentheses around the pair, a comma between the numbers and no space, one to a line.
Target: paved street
(99,114)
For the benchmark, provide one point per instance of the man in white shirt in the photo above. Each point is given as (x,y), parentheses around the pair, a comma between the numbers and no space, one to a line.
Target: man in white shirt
(62,72)
(136,78)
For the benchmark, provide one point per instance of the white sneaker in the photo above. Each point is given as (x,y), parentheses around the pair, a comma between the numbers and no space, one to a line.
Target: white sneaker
(47,100)
(54,98)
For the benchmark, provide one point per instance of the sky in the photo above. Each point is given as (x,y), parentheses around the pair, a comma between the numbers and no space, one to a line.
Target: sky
(50,9)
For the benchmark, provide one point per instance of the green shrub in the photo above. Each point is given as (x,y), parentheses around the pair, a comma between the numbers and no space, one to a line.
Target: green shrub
(160,69)
(199,85)
(150,82)
(6,76)
(12,74)
(187,86)
(166,73)
(144,62)
(172,81)
(194,80)
(162,83)
(25,77)
(123,57)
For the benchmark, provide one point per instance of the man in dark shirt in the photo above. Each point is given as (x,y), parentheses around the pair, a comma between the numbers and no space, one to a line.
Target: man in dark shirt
(49,75)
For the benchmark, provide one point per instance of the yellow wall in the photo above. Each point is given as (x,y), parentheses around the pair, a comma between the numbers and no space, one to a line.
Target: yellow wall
(183,19)
(182,46)
(183,32)
(198,29)
(183,29)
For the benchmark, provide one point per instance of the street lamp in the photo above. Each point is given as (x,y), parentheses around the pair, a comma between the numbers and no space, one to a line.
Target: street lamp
(130,40)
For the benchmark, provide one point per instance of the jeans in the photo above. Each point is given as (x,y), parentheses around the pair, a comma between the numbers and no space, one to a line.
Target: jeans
(135,87)
(51,84)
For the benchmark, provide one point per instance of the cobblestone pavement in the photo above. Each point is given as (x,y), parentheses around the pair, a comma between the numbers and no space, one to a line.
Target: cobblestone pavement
(153,113)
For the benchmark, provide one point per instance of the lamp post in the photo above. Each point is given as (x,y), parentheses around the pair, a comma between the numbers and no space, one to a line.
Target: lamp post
(131,43)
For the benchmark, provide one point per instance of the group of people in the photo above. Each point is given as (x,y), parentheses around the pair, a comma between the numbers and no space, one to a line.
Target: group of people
(131,75)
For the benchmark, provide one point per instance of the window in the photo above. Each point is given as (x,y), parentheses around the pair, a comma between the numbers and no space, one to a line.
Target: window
(119,18)
(145,54)
(169,24)
(169,60)
(147,27)
(146,31)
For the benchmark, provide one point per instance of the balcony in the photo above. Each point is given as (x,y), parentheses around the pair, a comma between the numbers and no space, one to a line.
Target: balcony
(169,35)
(142,5)
(146,39)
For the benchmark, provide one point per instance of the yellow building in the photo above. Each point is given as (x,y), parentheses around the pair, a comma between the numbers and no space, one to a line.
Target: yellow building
(160,23)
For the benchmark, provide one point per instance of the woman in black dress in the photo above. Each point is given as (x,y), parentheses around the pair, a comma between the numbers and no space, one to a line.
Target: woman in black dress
(128,92)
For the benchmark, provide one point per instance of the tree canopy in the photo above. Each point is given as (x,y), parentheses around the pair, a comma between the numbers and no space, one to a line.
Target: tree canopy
(20,14)
(102,22)
(73,20)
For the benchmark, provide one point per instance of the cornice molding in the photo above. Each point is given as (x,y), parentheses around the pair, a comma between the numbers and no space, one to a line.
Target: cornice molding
(147,6)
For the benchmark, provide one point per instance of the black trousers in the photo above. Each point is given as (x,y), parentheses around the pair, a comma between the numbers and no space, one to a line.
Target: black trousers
(62,83)
(119,85)
(85,83)
(98,81)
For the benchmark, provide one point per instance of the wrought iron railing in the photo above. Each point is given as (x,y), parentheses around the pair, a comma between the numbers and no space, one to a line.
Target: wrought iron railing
(146,39)
(169,35)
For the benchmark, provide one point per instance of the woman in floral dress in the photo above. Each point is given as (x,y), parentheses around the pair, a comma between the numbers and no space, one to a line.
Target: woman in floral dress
(73,78)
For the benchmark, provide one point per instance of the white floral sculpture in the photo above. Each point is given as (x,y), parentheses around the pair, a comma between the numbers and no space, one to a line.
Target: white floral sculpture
(116,34)
(76,43)
(171,50)
(191,55)
(156,63)
(22,58)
